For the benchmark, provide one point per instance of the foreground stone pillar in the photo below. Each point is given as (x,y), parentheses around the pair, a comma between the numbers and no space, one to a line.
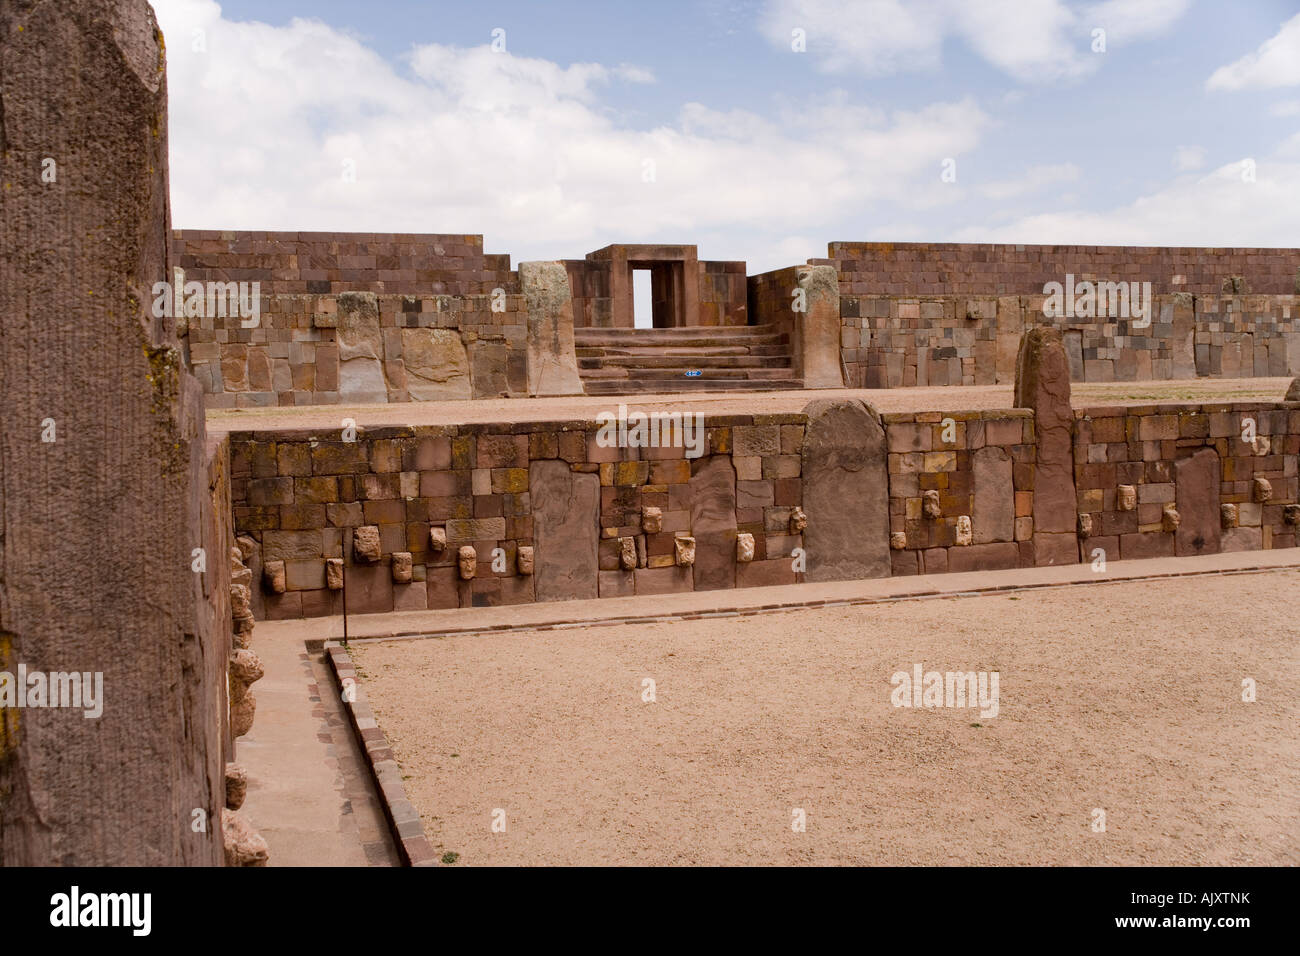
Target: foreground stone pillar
(1043,385)
(845,492)
(817,330)
(103,489)
(552,356)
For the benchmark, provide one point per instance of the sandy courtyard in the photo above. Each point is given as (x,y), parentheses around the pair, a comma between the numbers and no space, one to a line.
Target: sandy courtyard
(1125,698)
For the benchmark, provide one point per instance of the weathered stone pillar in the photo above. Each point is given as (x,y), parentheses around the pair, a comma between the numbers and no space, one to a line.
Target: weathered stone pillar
(103,483)
(1196,496)
(1043,385)
(566,528)
(552,356)
(713,523)
(817,329)
(845,492)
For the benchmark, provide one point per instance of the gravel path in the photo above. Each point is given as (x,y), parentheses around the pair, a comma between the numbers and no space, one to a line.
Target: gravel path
(1119,697)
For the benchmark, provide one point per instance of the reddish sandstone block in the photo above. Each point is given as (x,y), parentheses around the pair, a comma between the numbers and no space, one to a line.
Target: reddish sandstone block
(1154,544)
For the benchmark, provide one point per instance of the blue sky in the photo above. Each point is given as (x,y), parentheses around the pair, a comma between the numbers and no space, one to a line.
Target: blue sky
(697,122)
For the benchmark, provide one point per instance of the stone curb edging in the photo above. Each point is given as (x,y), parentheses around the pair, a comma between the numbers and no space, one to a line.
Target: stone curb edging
(403,819)
(919,595)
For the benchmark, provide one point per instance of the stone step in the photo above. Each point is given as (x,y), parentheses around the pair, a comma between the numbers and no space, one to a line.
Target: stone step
(691,337)
(653,386)
(685,361)
(601,351)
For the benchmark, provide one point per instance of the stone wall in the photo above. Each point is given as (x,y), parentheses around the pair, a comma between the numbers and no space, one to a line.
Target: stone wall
(901,341)
(977,269)
(300,263)
(302,496)
(723,293)
(361,348)
(1133,463)
(961,489)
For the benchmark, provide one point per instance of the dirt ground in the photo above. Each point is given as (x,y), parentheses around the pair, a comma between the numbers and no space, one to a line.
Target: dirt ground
(952,399)
(1124,698)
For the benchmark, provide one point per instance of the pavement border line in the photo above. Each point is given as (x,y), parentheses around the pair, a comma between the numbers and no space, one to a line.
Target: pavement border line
(404,824)
(930,594)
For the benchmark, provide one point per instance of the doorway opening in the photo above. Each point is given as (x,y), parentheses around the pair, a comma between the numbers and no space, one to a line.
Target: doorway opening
(642,300)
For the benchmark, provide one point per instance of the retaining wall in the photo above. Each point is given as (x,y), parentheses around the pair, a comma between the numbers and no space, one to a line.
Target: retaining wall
(582,508)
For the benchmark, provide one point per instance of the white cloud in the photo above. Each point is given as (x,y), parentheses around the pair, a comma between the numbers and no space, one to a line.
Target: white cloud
(1031,40)
(520,149)
(1217,209)
(1189,157)
(1031,180)
(1275,63)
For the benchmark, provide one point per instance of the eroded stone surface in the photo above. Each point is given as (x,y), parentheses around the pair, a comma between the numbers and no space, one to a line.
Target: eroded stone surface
(652,519)
(467,562)
(744,547)
(244,846)
(361,348)
(1170,519)
(713,523)
(273,576)
(627,553)
(817,330)
(1196,502)
(1126,498)
(798,520)
(1261,490)
(402,566)
(552,357)
(930,505)
(236,786)
(334,574)
(566,528)
(683,551)
(845,492)
(437,365)
(365,544)
(994,510)
(1043,385)
(1228,517)
(962,531)
(524,559)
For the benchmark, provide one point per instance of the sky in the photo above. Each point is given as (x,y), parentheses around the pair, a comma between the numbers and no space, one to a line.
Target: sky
(755,129)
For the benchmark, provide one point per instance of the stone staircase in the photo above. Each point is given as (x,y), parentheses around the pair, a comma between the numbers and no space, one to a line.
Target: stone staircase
(726,358)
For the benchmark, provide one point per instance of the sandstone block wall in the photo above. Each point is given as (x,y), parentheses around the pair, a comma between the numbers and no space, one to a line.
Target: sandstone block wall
(964,493)
(901,341)
(407,348)
(1142,446)
(299,263)
(979,269)
(977,466)
(301,496)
